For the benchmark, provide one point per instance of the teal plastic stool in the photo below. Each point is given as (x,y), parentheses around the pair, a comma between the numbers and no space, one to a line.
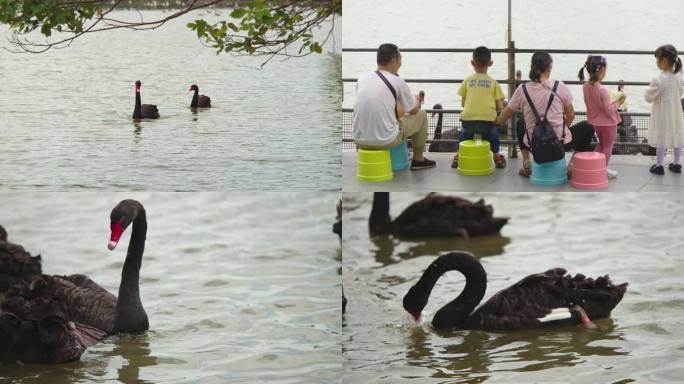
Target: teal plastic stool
(400,157)
(551,173)
(374,165)
(475,158)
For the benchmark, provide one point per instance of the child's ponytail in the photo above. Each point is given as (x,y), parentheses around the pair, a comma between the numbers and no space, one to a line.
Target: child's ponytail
(593,66)
(669,53)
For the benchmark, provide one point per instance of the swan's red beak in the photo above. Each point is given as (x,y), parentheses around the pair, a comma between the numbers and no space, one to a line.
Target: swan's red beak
(117,231)
(190,88)
(586,321)
(416,316)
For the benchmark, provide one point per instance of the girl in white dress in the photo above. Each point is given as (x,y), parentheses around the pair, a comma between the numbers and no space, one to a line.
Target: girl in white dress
(667,121)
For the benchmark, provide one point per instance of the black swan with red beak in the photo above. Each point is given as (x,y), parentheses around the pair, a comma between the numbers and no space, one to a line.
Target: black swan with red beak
(53,319)
(143,111)
(538,300)
(199,101)
(435,215)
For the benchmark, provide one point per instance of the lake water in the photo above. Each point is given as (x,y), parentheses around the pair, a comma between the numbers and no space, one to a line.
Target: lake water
(239,288)
(65,116)
(537,24)
(632,237)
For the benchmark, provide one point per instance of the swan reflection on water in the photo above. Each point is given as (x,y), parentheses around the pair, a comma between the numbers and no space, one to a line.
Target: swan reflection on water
(391,250)
(474,354)
(135,349)
(121,358)
(137,131)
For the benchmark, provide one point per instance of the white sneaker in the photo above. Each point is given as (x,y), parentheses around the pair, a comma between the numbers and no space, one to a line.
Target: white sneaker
(612,174)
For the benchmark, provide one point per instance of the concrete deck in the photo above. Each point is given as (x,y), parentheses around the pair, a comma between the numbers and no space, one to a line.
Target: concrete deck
(633,177)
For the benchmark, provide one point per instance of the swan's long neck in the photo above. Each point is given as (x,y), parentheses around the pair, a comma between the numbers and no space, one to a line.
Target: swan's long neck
(130,314)
(438,128)
(455,313)
(380,222)
(137,111)
(195,98)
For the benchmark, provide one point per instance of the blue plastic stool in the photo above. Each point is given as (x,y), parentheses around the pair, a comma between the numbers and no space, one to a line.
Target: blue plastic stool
(551,173)
(400,157)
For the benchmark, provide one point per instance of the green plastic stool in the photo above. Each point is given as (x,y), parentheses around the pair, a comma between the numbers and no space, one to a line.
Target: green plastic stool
(475,158)
(374,165)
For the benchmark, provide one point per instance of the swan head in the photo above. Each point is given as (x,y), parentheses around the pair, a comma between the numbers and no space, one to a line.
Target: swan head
(414,302)
(436,106)
(193,87)
(121,217)
(137,85)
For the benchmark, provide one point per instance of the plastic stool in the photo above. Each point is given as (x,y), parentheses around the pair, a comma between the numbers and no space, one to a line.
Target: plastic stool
(551,173)
(400,157)
(374,165)
(475,158)
(589,171)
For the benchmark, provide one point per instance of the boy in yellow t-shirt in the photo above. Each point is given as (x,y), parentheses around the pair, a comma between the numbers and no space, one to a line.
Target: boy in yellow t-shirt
(481,98)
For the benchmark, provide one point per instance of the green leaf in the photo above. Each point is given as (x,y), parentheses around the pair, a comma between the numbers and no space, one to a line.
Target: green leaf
(46,30)
(238,13)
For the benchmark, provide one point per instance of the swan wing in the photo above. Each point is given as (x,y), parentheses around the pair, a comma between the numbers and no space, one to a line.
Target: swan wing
(437,215)
(86,302)
(16,263)
(546,297)
(34,328)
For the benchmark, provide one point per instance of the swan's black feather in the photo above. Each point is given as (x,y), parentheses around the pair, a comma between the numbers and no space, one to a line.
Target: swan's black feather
(34,327)
(437,215)
(149,111)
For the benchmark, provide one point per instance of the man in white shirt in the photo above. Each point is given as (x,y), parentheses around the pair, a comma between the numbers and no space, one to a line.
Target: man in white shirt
(380,120)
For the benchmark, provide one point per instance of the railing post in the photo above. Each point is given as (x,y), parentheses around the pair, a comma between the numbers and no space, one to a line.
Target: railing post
(512,149)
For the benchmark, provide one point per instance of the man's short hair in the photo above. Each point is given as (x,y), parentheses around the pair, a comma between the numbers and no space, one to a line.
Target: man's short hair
(482,56)
(387,52)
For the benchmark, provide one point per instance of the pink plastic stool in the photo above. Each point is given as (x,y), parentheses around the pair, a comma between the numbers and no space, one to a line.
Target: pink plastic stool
(589,171)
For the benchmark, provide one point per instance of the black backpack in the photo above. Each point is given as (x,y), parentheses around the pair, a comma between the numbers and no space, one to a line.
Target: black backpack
(544,144)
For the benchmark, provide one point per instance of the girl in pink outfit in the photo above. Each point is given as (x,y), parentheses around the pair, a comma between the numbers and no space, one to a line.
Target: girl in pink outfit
(602,112)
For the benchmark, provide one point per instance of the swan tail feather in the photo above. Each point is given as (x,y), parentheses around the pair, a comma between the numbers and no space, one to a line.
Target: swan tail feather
(88,336)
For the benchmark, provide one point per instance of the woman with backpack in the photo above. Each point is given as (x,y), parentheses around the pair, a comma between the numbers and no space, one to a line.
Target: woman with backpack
(557,111)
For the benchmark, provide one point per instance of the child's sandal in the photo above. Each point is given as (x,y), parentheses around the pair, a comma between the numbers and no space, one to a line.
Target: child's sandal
(526,169)
(454,162)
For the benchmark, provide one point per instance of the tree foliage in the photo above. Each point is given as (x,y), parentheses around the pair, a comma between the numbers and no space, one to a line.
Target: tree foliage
(253,27)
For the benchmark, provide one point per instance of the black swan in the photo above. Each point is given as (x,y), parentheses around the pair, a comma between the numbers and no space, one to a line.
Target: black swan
(143,111)
(435,215)
(52,319)
(552,297)
(198,100)
(451,134)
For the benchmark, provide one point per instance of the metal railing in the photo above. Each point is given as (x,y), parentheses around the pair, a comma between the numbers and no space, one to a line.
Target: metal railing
(630,139)
(511,51)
